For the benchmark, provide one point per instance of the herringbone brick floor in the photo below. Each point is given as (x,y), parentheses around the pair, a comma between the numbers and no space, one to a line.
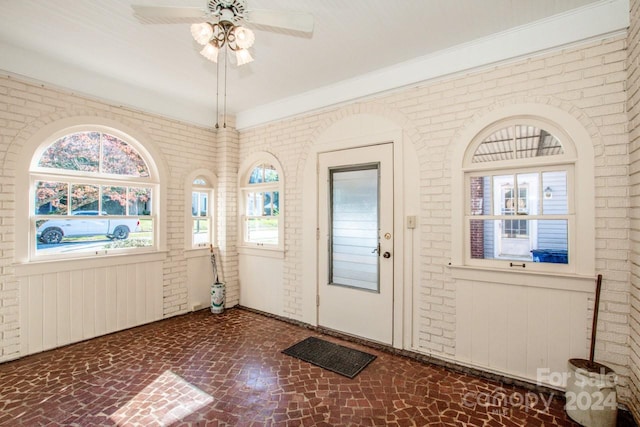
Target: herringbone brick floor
(228,370)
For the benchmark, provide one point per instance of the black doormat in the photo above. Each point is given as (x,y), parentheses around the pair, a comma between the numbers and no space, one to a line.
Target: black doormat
(334,357)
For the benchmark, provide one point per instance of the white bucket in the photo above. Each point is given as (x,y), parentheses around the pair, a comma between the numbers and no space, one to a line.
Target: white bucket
(591,394)
(217,297)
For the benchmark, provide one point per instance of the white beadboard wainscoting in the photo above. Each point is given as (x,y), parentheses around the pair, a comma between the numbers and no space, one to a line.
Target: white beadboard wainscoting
(199,278)
(73,300)
(261,278)
(515,329)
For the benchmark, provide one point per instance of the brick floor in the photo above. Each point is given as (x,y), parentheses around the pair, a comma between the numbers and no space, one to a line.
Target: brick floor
(228,369)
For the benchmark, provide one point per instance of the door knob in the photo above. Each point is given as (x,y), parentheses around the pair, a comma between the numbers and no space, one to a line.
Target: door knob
(386,255)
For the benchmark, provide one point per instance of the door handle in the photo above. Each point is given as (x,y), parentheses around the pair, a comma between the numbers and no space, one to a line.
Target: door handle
(386,255)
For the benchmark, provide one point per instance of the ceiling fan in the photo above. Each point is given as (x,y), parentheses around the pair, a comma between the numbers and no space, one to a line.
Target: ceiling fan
(218,24)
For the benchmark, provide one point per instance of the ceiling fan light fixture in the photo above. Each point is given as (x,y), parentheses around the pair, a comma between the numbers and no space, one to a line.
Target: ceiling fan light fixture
(202,32)
(243,57)
(210,51)
(244,37)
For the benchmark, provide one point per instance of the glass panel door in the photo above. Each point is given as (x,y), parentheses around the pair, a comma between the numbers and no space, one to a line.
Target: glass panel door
(354,227)
(356,242)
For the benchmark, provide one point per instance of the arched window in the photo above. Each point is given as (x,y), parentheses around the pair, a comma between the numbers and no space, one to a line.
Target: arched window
(202,223)
(92,192)
(261,195)
(520,209)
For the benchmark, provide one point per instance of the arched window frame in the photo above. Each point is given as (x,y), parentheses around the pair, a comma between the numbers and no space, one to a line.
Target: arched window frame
(246,189)
(27,251)
(207,186)
(578,143)
(517,168)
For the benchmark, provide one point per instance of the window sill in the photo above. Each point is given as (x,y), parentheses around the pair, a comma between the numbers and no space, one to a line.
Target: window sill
(262,251)
(70,264)
(197,252)
(535,279)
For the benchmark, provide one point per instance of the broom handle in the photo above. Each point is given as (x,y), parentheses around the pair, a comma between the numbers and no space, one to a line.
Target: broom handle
(214,264)
(594,326)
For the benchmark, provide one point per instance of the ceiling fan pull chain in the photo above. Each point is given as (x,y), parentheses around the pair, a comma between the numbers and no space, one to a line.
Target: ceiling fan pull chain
(226,60)
(220,29)
(217,94)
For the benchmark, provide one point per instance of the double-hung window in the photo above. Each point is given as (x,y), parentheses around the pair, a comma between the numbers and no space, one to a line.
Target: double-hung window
(92,192)
(519,199)
(262,205)
(201,213)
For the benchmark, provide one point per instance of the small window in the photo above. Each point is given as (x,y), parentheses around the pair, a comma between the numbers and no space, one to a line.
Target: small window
(517,142)
(201,213)
(94,152)
(262,205)
(519,199)
(92,193)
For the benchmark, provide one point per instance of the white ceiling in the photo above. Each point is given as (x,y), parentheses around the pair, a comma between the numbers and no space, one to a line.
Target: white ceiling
(97,47)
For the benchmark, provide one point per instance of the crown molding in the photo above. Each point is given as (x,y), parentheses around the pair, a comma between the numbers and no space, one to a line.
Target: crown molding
(596,21)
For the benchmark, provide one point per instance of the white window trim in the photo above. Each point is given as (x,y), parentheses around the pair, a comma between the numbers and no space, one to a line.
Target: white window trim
(534,279)
(262,251)
(190,187)
(245,169)
(578,148)
(37,173)
(50,266)
(26,167)
(505,263)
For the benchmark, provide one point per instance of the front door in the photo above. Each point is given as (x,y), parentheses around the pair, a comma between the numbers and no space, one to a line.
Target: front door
(355,233)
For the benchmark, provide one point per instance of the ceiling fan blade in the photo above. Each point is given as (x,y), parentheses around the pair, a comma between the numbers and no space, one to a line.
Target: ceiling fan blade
(168,12)
(287,19)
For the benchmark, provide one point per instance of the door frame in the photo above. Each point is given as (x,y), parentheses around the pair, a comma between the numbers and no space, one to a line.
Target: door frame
(335,307)
(354,132)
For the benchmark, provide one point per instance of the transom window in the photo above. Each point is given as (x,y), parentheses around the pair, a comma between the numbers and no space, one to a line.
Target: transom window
(92,193)
(94,152)
(517,142)
(519,198)
(261,199)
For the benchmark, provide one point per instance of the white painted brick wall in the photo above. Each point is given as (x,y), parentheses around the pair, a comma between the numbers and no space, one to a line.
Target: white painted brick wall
(588,81)
(227,163)
(25,108)
(633,93)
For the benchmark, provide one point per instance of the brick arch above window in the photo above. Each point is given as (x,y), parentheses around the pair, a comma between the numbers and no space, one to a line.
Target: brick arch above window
(518,179)
(30,170)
